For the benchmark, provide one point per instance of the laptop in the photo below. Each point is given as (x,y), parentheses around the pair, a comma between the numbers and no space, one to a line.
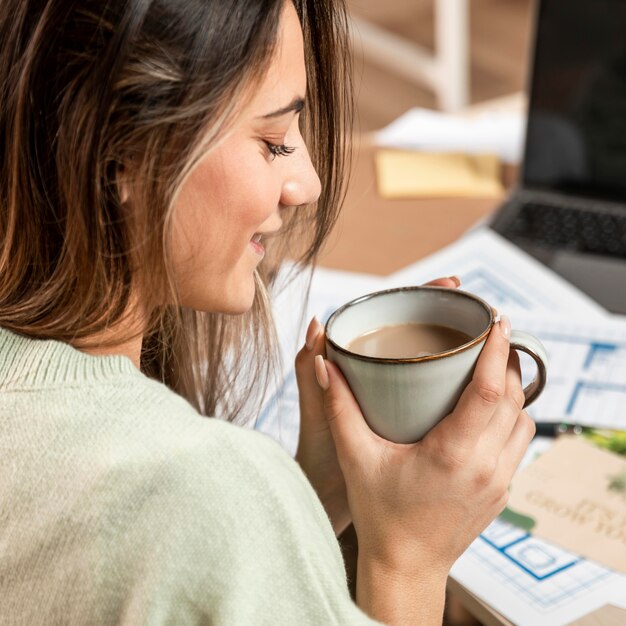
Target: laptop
(569,210)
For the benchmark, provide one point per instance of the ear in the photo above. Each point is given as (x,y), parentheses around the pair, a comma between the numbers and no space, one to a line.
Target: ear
(123,184)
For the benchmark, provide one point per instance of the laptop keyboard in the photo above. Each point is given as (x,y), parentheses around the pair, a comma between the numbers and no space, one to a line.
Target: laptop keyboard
(573,229)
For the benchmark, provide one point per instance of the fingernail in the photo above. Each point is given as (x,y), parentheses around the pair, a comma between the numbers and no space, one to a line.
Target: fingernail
(505,326)
(456,280)
(321,373)
(312,333)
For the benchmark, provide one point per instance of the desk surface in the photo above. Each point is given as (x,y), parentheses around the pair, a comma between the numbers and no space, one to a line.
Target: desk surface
(380,236)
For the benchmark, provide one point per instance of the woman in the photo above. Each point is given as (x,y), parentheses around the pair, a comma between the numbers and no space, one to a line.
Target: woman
(151,154)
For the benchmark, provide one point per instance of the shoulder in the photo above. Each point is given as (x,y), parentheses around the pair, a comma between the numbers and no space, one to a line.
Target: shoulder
(181,518)
(228,518)
(205,475)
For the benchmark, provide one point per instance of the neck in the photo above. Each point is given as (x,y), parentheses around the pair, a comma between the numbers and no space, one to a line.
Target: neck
(105,347)
(115,340)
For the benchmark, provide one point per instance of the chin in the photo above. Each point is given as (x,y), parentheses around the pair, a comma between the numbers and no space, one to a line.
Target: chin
(242,300)
(236,298)
(224,308)
(235,304)
(238,309)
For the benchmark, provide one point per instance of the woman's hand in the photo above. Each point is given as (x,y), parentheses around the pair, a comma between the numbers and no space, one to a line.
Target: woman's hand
(316,449)
(417,507)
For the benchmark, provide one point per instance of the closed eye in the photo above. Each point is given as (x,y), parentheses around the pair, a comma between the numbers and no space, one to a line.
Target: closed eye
(279,149)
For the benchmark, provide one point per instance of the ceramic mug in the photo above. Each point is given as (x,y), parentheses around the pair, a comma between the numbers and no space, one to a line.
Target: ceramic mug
(403,398)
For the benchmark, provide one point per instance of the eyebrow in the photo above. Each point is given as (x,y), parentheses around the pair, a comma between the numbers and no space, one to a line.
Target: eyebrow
(296,105)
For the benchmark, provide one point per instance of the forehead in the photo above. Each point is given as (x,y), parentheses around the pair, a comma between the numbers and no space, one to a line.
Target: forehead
(285,78)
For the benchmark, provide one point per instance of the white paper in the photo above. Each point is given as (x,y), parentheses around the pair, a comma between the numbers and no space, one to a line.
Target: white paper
(503,275)
(532,582)
(500,133)
(587,370)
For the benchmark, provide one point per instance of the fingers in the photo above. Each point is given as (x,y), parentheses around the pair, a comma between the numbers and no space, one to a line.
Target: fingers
(516,446)
(310,396)
(478,403)
(314,344)
(501,425)
(452,282)
(347,425)
(313,334)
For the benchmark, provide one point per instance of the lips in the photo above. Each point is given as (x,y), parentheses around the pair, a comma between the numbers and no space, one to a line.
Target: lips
(256,244)
(256,239)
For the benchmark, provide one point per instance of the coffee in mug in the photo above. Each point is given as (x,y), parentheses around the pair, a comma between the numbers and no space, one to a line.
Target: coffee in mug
(398,341)
(404,393)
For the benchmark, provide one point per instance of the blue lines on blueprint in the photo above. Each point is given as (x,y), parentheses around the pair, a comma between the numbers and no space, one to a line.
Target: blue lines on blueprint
(583,385)
(533,555)
(490,287)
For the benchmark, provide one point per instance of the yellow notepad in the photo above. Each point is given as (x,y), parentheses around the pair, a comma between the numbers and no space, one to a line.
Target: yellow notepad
(411,174)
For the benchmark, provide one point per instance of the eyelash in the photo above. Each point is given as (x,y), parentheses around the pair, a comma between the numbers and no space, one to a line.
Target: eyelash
(279,149)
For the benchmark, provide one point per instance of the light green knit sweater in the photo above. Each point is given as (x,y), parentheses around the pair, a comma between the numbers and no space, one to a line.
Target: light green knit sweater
(119,504)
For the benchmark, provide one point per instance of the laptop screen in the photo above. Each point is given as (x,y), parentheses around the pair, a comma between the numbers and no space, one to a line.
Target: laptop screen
(576,136)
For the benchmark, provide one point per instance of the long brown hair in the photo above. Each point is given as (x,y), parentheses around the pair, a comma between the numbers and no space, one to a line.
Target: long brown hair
(89,87)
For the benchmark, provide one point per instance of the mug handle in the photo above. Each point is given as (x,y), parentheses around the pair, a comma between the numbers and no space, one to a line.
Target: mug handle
(524,342)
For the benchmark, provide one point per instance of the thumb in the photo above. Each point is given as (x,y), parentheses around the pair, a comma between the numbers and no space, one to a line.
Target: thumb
(350,432)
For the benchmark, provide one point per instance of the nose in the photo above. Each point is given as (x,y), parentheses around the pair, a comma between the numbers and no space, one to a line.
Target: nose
(301,184)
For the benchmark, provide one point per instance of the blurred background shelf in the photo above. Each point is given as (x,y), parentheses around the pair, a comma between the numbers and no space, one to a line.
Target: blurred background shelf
(498,36)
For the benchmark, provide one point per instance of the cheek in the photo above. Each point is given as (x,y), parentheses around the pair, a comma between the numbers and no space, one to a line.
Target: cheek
(220,206)
(199,217)
(223,202)
(253,201)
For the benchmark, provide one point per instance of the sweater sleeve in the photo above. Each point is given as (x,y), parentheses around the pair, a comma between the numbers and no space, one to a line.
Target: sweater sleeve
(230,532)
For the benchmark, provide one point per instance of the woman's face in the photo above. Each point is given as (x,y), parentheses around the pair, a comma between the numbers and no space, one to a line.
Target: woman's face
(233,197)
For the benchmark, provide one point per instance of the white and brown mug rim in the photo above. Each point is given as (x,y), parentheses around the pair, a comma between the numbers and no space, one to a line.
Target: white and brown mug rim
(431,357)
